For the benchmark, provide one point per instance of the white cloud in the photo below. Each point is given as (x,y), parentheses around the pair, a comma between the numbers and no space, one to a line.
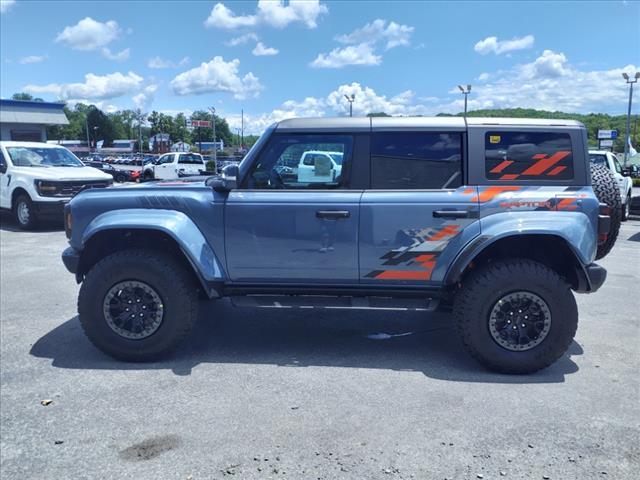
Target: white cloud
(241,40)
(144,99)
(274,13)
(5,5)
(392,33)
(158,63)
(116,56)
(94,87)
(483,77)
(492,44)
(32,59)
(89,34)
(352,55)
(261,50)
(550,64)
(217,76)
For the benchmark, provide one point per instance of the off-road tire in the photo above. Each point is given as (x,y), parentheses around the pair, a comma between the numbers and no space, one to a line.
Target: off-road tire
(23,201)
(147,176)
(170,279)
(606,190)
(480,291)
(626,209)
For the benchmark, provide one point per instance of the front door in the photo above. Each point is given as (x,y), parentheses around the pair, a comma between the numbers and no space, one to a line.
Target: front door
(282,228)
(166,168)
(417,215)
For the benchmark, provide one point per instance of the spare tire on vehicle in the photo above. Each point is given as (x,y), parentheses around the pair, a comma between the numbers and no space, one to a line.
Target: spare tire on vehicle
(606,190)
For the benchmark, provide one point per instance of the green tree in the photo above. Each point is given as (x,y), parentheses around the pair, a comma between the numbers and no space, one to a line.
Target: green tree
(25,96)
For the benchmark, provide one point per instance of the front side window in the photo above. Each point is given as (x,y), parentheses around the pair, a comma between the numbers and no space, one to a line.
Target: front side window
(416,160)
(190,158)
(514,156)
(42,157)
(292,161)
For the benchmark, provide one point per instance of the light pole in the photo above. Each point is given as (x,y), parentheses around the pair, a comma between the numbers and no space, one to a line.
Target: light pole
(86,127)
(630,81)
(465,93)
(95,138)
(213,125)
(350,99)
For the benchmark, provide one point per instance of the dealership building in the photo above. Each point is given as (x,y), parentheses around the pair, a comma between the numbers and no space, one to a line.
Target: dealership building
(27,121)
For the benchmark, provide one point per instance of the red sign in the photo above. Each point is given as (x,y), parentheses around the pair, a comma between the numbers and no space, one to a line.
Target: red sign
(200,123)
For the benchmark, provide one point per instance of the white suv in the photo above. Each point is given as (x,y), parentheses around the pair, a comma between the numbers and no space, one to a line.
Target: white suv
(174,165)
(625,184)
(38,179)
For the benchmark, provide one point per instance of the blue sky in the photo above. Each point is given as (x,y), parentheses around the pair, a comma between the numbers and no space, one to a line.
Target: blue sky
(282,59)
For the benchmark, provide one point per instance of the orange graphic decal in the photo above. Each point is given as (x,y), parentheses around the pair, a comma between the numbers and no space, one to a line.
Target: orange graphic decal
(509,176)
(491,192)
(556,171)
(566,204)
(447,231)
(544,163)
(501,167)
(404,275)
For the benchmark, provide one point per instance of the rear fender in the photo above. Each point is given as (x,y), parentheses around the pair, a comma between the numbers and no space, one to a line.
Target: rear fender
(574,228)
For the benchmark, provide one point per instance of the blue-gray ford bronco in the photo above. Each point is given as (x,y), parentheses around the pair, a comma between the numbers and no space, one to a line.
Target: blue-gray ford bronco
(496,220)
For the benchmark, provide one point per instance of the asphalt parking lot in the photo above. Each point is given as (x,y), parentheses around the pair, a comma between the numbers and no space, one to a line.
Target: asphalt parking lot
(273,394)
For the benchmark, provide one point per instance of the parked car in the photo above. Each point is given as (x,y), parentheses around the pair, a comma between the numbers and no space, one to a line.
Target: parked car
(319,167)
(174,165)
(624,182)
(495,219)
(38,179)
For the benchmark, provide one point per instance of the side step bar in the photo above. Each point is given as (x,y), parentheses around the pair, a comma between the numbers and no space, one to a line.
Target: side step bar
(334,302)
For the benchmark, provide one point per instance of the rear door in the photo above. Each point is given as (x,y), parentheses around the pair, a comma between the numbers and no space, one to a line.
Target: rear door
(281,228)
(190,163)
(418,213)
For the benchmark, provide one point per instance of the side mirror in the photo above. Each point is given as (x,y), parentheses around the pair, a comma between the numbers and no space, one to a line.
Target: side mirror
(228,179)
(3,167)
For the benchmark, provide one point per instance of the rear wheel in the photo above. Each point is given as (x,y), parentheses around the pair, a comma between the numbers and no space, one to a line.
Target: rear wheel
(24,213)
(137,305)
(515,316)
(606,190)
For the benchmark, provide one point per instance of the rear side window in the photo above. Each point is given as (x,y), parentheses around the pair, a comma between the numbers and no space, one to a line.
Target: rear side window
(416,160)
(514,156)
(190,158)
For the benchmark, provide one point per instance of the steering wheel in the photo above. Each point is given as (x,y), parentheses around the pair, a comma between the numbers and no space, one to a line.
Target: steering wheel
(275,180)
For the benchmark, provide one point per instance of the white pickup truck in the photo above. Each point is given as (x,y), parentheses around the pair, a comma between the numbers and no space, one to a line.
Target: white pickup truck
(174,165)
(38,179)
(319,166)
(625,183)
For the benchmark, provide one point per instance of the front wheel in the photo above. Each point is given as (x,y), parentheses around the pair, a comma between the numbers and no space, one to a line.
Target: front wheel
(24,213)
(515,316)
(626,209)
(137,305)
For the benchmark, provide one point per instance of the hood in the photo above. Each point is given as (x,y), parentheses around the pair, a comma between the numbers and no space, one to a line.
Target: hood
(63,173)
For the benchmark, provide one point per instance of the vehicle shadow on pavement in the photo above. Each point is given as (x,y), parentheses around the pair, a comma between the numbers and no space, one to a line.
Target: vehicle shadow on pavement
(307,338)
(8,224)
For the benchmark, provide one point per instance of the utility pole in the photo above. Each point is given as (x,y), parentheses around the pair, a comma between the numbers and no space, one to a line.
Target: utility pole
(466,94)
(350,99)
(627,142)
(86,127)
(213,125)
(242,130)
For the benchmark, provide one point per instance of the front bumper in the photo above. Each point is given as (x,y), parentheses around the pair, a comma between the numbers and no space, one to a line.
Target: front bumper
(52,210)
(71,259)
(590,278)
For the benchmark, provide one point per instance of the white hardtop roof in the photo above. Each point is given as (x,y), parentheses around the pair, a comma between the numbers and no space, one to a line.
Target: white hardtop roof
(30,144)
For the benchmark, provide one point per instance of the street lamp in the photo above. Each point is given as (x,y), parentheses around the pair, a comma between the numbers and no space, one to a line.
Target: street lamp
(465,93)
(350,99)
(95,137)
(213,125)
(627,143)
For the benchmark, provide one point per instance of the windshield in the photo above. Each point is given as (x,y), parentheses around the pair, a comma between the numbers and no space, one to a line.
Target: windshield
(43,157)
(598,159)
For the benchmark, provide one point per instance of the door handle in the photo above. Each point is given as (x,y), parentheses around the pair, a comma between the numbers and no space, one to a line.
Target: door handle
(450,213)
(333,214)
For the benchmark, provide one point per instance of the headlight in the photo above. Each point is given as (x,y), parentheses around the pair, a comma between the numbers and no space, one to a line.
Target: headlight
(46,189)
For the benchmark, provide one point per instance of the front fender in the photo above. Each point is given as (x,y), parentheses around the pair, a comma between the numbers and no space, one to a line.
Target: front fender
(175,224)
(574,228)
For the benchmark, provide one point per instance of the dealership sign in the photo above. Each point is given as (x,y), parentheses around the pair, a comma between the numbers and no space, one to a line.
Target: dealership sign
(607,134)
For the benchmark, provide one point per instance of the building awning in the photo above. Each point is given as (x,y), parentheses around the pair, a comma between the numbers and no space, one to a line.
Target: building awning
(36,113)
